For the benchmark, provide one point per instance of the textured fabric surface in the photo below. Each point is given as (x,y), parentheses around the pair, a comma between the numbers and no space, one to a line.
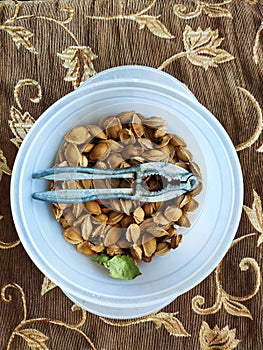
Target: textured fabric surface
(47,49)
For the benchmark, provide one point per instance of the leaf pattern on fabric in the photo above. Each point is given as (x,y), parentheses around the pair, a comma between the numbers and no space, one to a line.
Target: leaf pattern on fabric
(154,25)
(4,168)
(212,10)
(235,308)
(19,124)
(78,62)
(201,49)
(165,319)
(20,36)
(255,216)
(170,323)
(216,339)
(34,338)
(232,304)
(47,286)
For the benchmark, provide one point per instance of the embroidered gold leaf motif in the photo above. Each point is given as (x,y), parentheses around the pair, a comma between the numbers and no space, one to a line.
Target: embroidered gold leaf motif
(34,338)
(231,303)
(202,47)
(168,320)
(4,168)
(260,240)
(78,61)
(19,125)
(216,339)
(255,215)
(231,306)
(236,309)
(154,25)
(170,323)
(212,10)
(20,36)
(47,286)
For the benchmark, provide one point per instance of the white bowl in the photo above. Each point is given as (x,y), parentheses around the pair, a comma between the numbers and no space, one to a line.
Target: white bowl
(207,240)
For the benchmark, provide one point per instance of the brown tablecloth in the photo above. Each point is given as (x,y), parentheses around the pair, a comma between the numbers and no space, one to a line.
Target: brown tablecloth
(215,48)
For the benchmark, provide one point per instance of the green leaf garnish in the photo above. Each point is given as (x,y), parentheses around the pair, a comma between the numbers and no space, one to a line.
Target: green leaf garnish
(120,266)
(101,259)
(123,267)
